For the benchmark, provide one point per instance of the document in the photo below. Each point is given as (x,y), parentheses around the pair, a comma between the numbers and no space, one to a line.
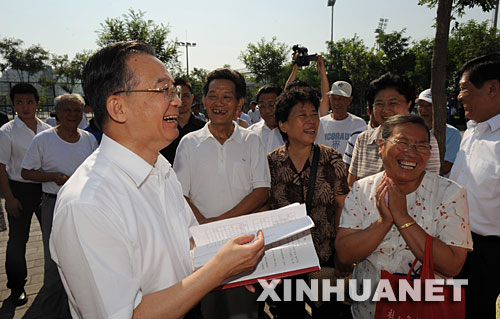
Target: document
(289,246)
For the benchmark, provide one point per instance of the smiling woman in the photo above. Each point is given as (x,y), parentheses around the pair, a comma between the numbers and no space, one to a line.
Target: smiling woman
(387,215)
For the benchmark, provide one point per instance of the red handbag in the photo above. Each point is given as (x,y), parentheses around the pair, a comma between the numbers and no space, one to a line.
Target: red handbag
(410,309)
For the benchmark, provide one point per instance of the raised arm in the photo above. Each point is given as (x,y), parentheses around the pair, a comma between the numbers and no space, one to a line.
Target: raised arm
(324,106)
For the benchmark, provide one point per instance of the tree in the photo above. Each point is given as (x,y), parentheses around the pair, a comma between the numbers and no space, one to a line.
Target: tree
(25,61)
(197,77)
(265,60)
(438,69)
(396,54)
(133,26)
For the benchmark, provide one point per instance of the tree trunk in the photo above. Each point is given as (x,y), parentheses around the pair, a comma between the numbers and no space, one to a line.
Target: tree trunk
(438,75)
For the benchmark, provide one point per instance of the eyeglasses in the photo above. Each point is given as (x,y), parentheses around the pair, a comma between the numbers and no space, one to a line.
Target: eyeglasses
(169,91)
(423,148)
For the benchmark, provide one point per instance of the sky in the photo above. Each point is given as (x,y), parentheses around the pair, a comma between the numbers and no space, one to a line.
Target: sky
(221,29)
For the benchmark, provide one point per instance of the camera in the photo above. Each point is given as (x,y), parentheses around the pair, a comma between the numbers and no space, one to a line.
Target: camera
(303,59)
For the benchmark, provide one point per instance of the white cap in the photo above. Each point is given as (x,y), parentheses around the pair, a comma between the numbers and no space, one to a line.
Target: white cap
(426,96)
(341,88)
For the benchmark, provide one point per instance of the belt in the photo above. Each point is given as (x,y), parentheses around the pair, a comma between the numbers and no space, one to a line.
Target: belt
(49,195)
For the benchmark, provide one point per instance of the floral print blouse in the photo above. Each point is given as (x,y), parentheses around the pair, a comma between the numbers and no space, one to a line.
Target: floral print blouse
(439,206)
(290,186)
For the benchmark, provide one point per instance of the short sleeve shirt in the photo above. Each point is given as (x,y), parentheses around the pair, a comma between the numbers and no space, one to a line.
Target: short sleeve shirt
(438,205)
(15,138)
(290,186)
(217,177)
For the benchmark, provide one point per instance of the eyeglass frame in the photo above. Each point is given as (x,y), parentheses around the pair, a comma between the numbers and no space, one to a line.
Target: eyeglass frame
(400,143)
(166,90)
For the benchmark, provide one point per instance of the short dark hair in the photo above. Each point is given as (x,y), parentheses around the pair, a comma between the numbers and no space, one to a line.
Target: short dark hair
(288,99)
(24,88)
(183,81)
(295,84)
(227,74)
(482,69)
(268,88)
(391,81)
(106,72)
(401,119)
(253,103)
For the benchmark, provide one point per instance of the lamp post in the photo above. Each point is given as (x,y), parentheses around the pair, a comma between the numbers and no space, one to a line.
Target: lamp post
(331,3)
(187,45)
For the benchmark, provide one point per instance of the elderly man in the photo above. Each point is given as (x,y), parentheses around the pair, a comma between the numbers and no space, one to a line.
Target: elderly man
(453,137)
(186,121)
(267,128)
(477,167)
(51,159)
(336,128)
(224,173)
(22,197)
(390,95)
(120,232)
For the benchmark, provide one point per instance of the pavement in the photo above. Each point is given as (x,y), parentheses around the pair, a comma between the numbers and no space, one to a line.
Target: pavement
(34,260)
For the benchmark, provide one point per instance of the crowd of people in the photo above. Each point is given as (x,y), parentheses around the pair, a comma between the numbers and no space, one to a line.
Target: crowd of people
(116,199)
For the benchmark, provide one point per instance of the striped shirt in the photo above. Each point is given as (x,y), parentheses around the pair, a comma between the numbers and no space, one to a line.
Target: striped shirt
(366,161)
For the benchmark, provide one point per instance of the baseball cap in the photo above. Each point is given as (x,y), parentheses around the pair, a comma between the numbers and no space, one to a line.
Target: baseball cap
(341,88)
(426,96)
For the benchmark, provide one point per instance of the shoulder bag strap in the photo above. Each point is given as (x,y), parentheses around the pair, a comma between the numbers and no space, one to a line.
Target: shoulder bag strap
(312,178)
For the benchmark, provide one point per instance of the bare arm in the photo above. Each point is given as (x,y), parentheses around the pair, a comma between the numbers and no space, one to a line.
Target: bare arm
(234,257)
(249,204)
(324,106)
(293,75)
(12,205)
(43,177)
(351,178)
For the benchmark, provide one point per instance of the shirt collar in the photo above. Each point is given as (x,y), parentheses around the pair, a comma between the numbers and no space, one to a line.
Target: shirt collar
(237,135)
(19,123)
(374,135)
(131,163)
(493,123)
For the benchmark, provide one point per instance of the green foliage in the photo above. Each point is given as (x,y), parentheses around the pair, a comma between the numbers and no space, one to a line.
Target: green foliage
(25,61)
(459,6)
(396,53)
(197,77)
(265,60)
(133,26)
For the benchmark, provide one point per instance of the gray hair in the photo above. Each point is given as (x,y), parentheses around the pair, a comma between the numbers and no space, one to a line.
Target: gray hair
(68,97)
(396,120)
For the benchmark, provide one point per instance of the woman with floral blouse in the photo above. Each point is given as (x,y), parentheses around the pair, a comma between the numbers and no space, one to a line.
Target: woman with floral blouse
(290,166)
(387,215)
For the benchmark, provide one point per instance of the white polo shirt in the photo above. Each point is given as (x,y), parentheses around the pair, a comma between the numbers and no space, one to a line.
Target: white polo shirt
(477,168)
(120,231)
(15,138)
(217,177)
(50,153)
(271,138)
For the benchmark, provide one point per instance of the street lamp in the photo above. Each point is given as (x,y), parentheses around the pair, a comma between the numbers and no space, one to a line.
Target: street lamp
(331,3)
(187,45)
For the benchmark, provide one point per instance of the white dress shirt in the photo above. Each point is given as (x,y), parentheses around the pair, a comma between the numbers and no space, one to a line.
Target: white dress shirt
(477,168)
(217,177)
(15,138)
(50,153)
(271,138)
(120,231)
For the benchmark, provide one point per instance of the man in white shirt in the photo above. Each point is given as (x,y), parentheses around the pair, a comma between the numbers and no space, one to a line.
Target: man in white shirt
(336,128)
(51,159)
(254,113)
(120,233)
(224,173)
(477,167)
(267,128)
(22,197)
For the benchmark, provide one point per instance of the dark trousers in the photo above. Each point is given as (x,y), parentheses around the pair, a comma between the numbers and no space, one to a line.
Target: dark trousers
(53,298)
(482,269)
(28,194)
